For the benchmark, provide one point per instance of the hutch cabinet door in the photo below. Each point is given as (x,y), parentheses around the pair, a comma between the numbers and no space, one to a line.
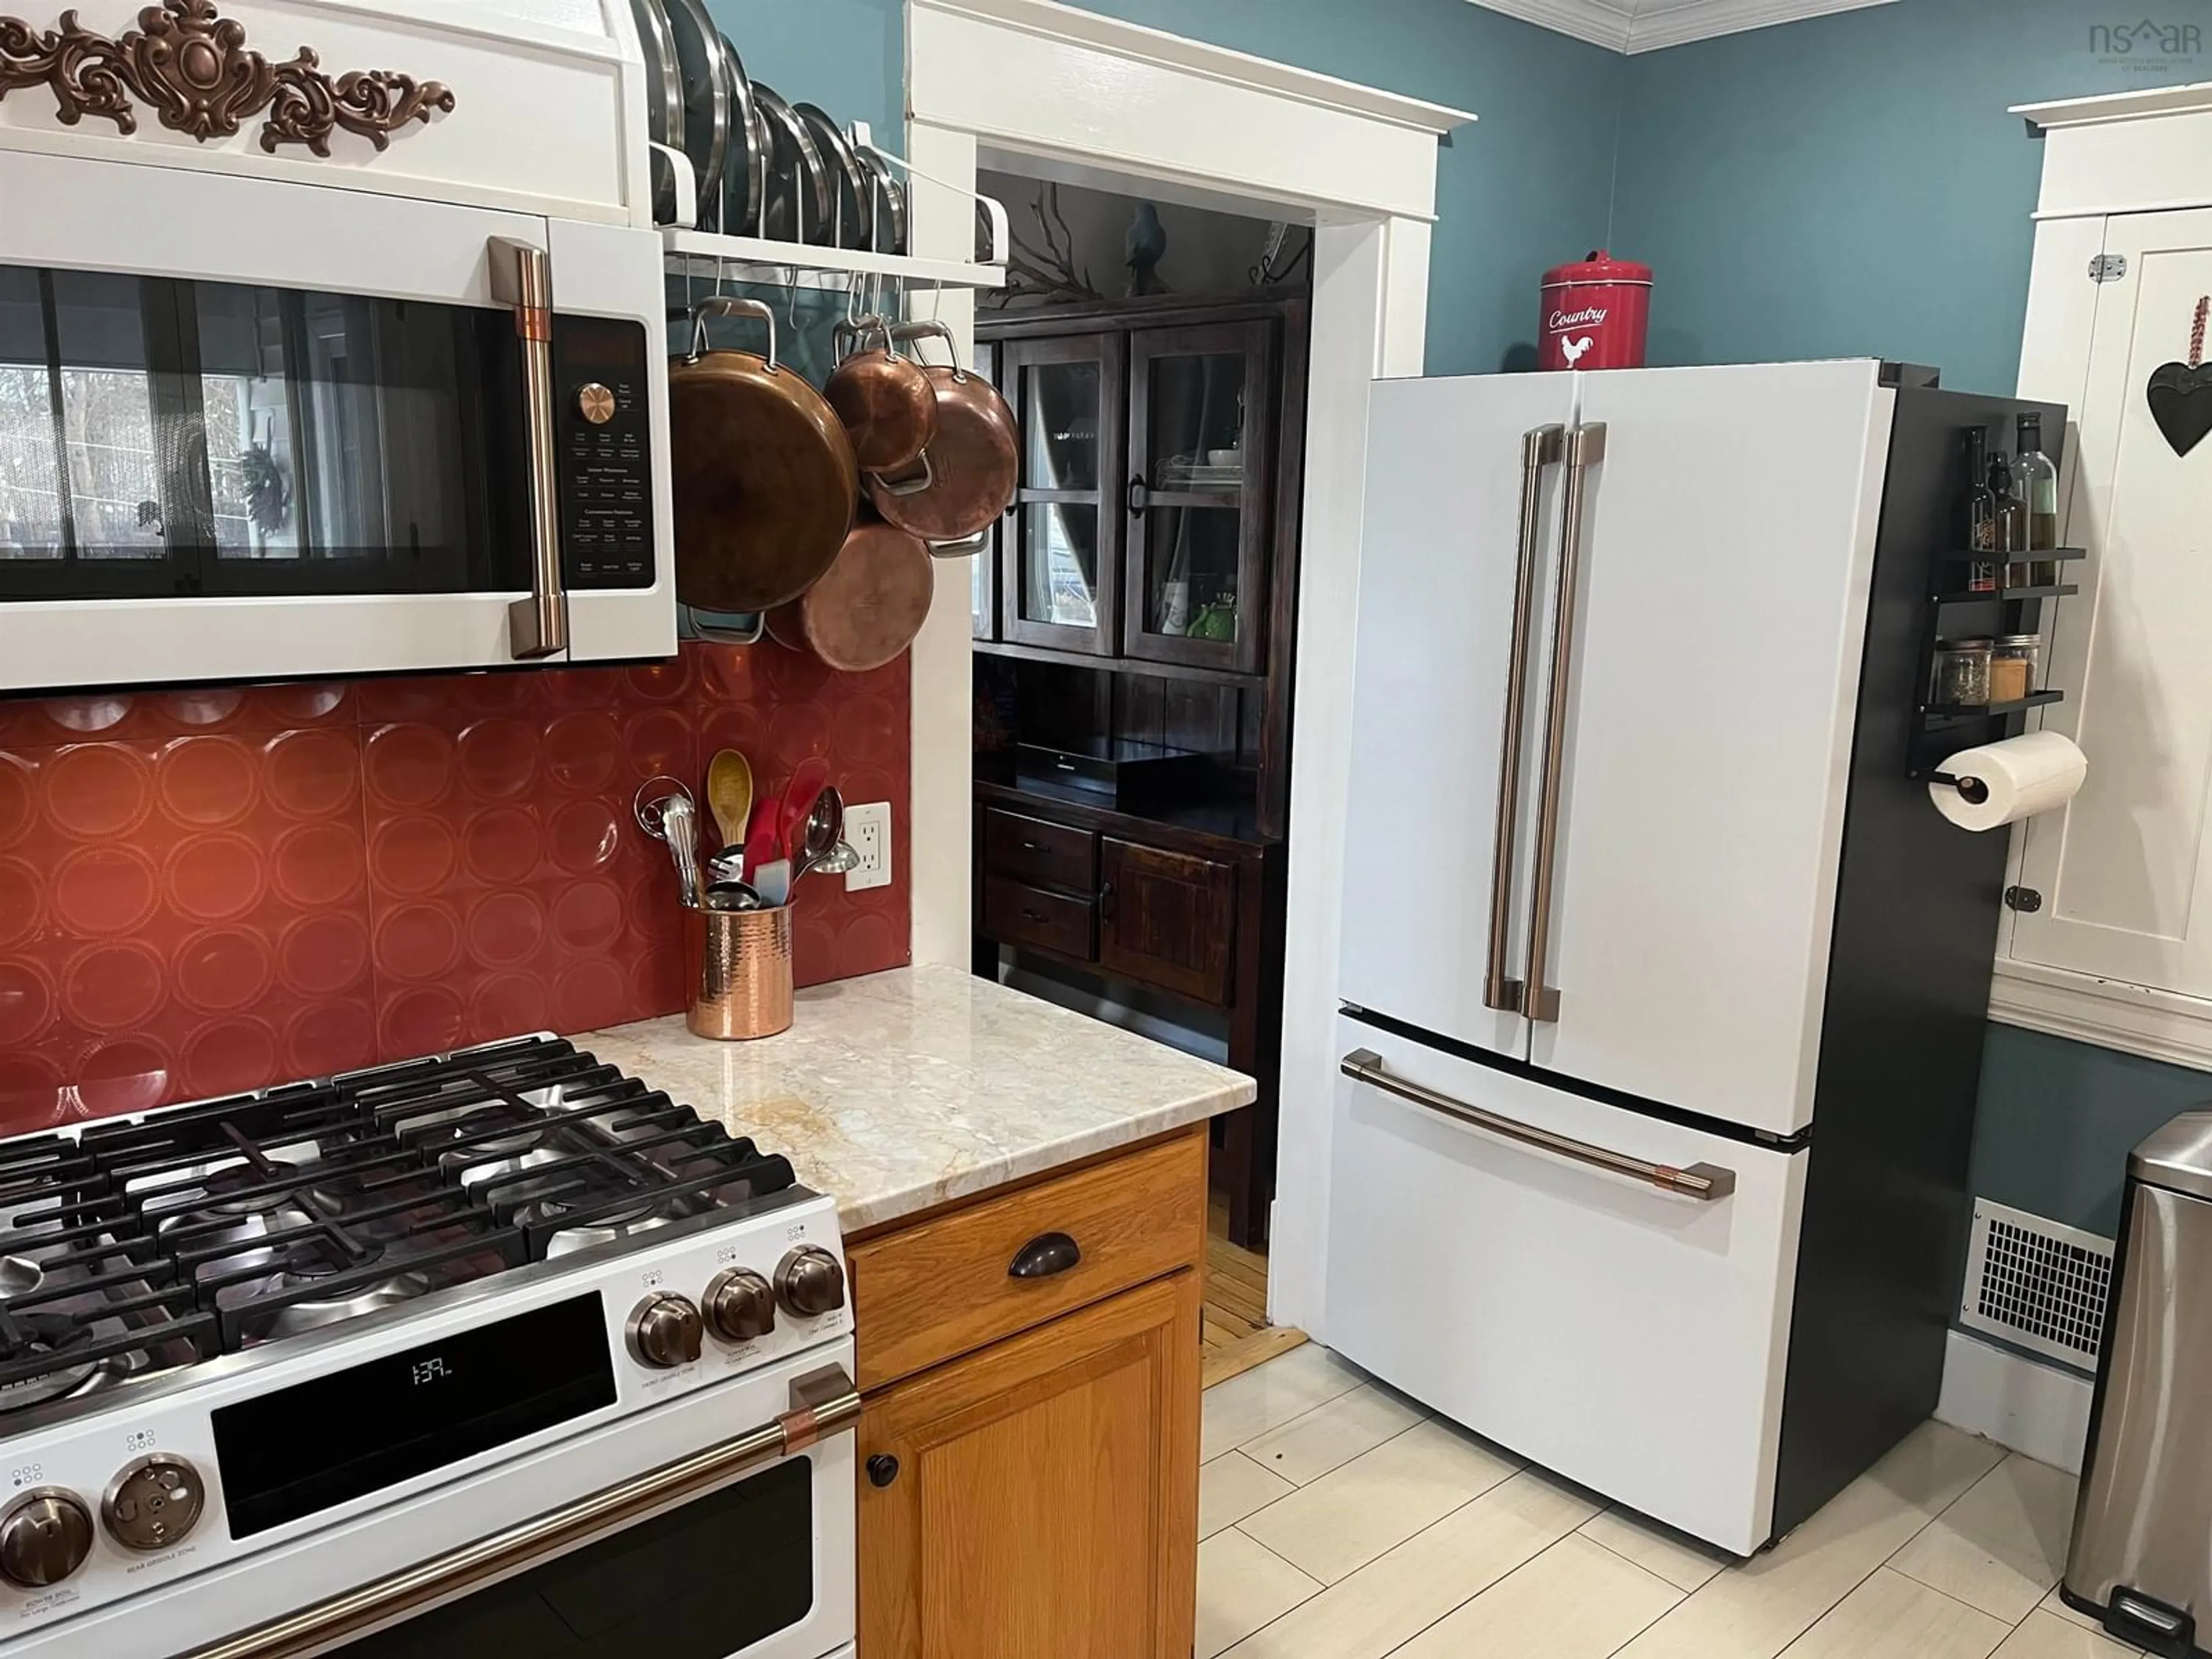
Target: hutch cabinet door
(2125,881)
(1201,403)
(983,566)
(1166,919)
(1060,558)
(1041,1497)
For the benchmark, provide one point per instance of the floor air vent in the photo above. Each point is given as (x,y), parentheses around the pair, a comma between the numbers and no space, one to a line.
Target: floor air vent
(2037,1283)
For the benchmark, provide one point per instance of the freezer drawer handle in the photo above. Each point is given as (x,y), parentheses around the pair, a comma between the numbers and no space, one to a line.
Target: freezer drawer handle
(1585,449)
(1541,447)
(823,1402)
(1704,1182)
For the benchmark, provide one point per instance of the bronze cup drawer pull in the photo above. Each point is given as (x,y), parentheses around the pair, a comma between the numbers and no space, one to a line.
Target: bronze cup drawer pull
(1046,1255)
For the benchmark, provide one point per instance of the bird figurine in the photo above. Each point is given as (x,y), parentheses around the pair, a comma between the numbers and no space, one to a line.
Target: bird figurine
(1143,248)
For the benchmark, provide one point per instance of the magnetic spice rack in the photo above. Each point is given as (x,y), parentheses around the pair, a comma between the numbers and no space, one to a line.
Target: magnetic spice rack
(1941,729)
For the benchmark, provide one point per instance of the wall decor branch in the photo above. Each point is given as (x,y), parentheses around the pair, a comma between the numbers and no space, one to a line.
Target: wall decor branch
(194,68)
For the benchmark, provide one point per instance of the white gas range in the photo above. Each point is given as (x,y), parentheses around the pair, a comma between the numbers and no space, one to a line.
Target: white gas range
(501,1352)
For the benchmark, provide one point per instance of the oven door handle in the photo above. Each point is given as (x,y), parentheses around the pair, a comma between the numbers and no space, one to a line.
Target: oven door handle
(522,278)
(823,1402)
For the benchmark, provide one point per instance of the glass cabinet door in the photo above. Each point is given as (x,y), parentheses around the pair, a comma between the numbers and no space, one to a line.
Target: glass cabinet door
(1060,548)
(1199,437)
(983,568)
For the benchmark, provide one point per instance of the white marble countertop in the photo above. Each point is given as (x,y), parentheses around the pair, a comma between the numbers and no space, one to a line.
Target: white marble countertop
(905,1090)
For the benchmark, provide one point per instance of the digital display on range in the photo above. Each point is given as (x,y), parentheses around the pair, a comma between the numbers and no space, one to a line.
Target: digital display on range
(290,1453)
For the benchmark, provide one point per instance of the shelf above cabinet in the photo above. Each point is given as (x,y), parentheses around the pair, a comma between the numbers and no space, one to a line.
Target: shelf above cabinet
(1984,556)
(1956,711)
(794,264)
(2006,595)
(1163,671)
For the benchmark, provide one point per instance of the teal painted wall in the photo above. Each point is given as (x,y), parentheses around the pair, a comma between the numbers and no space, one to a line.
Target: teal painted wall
(1852,185)
(2056,1119)
(1528,185)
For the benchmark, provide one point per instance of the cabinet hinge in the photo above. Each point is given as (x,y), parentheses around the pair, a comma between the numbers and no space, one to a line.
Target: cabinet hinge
(2026,900)
(2108,267)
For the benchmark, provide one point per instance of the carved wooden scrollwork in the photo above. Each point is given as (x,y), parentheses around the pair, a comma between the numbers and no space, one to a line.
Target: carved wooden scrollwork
(195,70)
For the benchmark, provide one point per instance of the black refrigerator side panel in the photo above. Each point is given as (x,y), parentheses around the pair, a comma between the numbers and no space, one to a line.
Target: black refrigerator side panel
(1887,1206)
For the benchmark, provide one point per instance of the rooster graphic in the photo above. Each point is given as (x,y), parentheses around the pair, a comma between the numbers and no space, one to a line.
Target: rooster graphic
(1574,349)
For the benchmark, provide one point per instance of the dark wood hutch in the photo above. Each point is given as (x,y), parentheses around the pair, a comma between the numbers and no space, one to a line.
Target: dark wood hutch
(1139,605)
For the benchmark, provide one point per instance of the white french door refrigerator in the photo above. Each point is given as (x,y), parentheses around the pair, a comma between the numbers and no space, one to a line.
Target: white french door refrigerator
(1663,983)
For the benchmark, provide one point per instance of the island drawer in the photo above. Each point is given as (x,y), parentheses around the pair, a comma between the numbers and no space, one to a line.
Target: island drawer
(1030,849)
(947,1287)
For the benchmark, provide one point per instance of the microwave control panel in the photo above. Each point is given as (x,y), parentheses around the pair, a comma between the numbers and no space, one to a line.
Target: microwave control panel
(604,432)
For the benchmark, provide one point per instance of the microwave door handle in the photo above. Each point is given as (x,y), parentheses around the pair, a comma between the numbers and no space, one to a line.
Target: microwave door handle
(522,276)
(823,1402)
(1585,447)
(1541,447)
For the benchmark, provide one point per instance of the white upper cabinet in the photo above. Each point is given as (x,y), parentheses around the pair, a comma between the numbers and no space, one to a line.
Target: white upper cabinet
(2111,938)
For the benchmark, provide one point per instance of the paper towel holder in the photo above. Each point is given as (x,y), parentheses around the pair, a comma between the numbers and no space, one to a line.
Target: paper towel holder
(1972,790)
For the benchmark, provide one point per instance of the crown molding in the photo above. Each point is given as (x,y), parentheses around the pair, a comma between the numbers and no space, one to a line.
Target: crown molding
(2118,106)
(1633,26)
(1137,44)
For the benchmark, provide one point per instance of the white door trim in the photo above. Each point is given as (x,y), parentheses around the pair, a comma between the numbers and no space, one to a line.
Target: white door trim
(1360,165)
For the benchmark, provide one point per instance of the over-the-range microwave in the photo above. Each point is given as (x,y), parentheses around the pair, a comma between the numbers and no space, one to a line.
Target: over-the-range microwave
(403,407)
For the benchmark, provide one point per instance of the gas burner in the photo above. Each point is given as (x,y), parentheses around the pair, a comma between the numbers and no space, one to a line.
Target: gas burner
(566,1239)
(313,1312)
(54,1340)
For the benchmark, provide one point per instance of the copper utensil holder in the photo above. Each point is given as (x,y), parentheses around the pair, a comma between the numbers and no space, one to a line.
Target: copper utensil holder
(740,964)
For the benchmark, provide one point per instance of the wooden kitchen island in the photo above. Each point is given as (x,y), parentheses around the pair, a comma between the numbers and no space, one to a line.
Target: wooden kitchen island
(1023,1192)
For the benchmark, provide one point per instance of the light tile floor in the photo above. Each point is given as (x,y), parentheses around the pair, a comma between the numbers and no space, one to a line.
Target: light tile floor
(1340,1521)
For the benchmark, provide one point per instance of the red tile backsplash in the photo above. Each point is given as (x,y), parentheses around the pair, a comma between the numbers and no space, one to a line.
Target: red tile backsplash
(210,889)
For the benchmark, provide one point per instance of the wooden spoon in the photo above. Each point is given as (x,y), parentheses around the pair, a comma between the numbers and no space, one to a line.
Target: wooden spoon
(730,794)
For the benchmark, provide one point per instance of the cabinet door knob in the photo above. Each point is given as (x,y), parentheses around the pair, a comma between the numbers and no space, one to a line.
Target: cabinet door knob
(1106,900)
(1138,491)
(1044,1255)
(883,1469)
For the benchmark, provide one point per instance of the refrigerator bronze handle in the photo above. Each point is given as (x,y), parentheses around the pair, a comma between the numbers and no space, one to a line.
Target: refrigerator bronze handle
(1541,447)
(1705,1182)
(522,278)
(1585,447)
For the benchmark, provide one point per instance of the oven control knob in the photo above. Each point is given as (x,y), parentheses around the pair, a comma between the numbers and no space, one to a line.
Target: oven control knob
(664,1331)
(154,1502)
(595,404)
(810,1283)
(740,1306)
(44,1538)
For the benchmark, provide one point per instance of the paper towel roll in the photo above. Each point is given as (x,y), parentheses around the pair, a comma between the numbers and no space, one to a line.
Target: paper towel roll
(2018,778)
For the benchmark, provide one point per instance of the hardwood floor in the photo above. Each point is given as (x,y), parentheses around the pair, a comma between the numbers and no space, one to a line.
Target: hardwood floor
(1236,1334)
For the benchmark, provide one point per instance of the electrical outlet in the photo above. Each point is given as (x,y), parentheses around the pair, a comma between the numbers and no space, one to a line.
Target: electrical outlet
(869,828)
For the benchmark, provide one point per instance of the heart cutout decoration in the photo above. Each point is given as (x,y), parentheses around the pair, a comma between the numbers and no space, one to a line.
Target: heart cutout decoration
(2181,402)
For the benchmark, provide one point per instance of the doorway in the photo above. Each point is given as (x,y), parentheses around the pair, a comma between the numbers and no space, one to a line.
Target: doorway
(1092,101)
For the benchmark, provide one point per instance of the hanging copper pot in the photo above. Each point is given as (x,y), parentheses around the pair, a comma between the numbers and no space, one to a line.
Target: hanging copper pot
(886,401)
(869,605)
(966,476)
(764,476)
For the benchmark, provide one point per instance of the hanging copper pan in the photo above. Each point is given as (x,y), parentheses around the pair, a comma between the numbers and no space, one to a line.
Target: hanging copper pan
(886,401)
(868,606)
(966,476)
(764,478)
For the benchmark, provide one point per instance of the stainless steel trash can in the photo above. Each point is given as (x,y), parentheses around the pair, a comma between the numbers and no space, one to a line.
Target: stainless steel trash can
(2141,1556)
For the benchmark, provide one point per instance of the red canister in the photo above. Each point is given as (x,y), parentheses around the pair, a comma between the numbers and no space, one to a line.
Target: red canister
(1595,311)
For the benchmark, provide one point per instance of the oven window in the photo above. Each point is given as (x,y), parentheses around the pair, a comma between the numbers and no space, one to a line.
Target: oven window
(708,1581)
(162,438)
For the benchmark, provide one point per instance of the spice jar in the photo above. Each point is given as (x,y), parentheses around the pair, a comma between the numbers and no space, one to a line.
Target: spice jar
(2015,667)
(1962,676)
(2031,572)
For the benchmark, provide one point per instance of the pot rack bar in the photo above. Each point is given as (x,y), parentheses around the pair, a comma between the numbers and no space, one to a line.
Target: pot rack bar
(699,253)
